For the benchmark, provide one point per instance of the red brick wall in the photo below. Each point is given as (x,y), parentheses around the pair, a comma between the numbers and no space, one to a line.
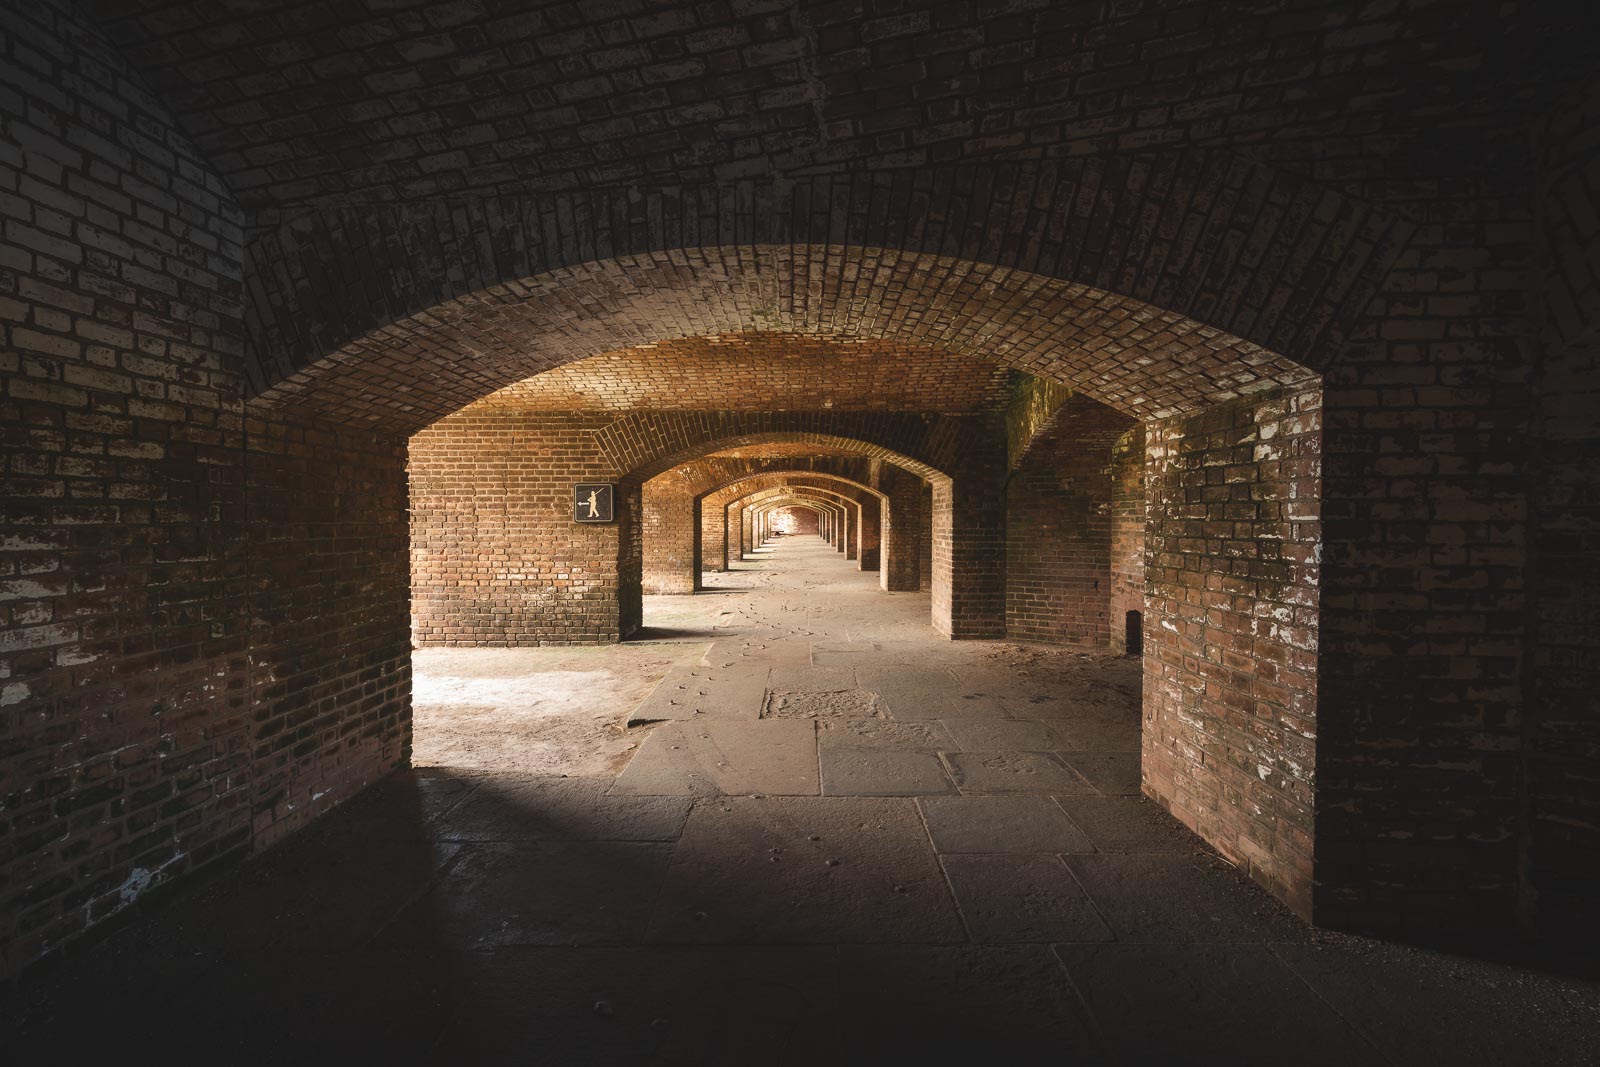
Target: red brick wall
(124,586)
(1230,689)
(330,648)
(671,551)
(798,521)
(1425,618)
(1127,533)
(924,534)
(1561,832)
(1059,524)
(496,558)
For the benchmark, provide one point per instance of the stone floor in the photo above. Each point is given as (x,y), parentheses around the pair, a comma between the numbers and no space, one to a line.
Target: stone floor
(834,838)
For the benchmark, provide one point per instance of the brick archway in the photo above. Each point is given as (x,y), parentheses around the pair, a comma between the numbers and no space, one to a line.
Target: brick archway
(844,514)
(1141,245)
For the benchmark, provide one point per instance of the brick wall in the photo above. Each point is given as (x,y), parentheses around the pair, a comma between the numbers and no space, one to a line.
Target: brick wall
(1059,527)
(1562,729)
(124,587)
(1420,772)
(798,521)
(496,558)
(672,552)
(1127,534)
(1230,690)
(330,648)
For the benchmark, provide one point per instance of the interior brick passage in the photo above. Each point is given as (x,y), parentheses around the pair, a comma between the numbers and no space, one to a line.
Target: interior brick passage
(1179,327)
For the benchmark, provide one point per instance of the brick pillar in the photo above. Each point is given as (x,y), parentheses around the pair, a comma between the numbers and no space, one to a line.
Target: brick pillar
(710,550)
(669,528)
(898,570)
(969,552)
(925,538)
(871,533)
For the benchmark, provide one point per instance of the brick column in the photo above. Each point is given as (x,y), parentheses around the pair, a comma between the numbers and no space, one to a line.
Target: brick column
(871,533)
(898,571)
(969,550)
(669,528)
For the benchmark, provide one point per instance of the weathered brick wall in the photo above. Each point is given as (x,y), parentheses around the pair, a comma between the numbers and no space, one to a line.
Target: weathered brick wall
(124,610)
(330,649)
(672,552)
(1230,690)
(1567,190)
(1420,760)
(496,558)
(924,533)
(1562,733)
(1127,534)
(798,521)
(1059,525)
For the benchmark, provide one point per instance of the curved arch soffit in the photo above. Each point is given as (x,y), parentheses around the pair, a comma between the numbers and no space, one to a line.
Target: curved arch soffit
(838,478)
(1223,274)
(901,428)
(759,496)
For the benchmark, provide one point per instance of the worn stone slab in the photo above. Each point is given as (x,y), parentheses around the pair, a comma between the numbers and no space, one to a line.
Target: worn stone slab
(765,653)
(1001,824)
(1024,897)
(846,653)
(1232,1004)
(694,692)
(1181,899)
(598,1006)
(1429,1006)
(508,808)
(977,1004)
(1096,732)
(1129,824)
(1006,735)
(536,893)
(808,677)
(924,736)
(882,772)
(326,889)
(1013,686)
(934,697)
(1112,773)
(712,757)
(759,871)
(821,704)
(1013,772)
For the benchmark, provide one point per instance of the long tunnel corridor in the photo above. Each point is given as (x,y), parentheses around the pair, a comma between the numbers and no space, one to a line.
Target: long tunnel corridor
(800,531)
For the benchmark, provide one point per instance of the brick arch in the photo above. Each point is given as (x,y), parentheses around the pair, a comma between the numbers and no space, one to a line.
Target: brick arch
(646,445)
(1220,273)
(790,474)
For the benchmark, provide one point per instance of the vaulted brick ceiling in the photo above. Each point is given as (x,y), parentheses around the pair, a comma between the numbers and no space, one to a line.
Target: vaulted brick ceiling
(765,372)
(396,99)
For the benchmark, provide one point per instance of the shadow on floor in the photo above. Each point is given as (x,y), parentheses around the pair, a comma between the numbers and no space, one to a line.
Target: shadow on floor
(450,918)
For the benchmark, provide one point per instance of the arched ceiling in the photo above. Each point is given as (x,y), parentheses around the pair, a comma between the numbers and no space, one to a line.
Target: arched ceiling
(1127,354)
(391,99)
(764,371)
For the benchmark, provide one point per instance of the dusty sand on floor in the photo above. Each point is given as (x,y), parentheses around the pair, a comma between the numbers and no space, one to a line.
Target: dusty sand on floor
(564,711)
